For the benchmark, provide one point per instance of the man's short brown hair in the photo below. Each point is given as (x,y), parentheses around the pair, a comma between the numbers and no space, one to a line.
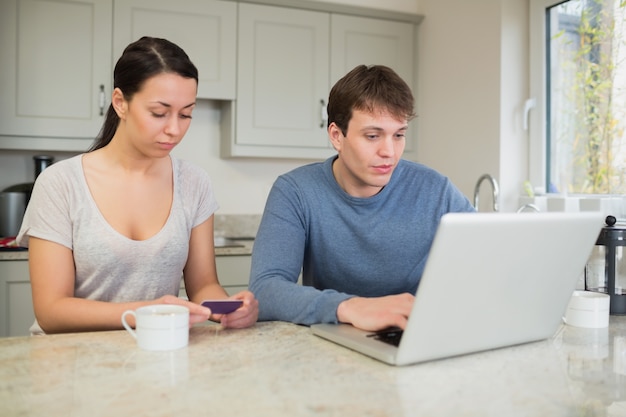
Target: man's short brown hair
(369,88)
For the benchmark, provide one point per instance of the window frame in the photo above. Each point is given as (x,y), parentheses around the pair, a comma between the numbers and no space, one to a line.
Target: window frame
(537,116)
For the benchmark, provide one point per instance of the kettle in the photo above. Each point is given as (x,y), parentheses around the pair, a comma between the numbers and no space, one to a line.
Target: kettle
(605,271)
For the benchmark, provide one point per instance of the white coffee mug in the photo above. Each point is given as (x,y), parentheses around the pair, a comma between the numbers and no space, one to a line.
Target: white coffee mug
(588,309)
(159,327)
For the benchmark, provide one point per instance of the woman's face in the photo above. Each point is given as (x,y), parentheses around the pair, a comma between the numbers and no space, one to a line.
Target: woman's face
(157,117)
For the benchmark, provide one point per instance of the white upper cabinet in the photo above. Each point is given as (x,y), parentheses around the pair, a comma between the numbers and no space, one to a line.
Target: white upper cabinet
(58,56)
(205,29)
(272,66)
(288,60)
(365,41)
(283,75)
(56,67)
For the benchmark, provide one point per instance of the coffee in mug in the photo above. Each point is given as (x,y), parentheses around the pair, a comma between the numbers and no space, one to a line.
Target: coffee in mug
(159,327)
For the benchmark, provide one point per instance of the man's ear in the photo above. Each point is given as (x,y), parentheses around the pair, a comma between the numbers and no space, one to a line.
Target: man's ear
(335,135)
(120,105)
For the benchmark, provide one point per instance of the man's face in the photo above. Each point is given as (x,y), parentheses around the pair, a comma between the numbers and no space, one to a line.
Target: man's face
(369,152)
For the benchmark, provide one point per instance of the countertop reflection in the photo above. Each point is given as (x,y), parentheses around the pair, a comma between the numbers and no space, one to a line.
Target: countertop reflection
(281,369)
(227,247)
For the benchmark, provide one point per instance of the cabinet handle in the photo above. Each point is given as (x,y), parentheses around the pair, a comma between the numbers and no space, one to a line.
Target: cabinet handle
(101,100)
(324,114)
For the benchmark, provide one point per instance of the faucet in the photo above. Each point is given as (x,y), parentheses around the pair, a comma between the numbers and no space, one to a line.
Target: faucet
(494,188)
(530,207)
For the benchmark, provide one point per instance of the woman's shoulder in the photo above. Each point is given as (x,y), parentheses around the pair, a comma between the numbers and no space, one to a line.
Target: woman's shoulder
(64,169)
(191,178)
(66,164)
(186,168)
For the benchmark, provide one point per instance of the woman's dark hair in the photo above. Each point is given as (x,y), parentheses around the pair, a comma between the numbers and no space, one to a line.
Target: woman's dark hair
(369,88)
(140,61)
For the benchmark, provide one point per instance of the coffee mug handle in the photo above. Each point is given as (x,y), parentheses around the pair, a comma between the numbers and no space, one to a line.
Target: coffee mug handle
(126,325)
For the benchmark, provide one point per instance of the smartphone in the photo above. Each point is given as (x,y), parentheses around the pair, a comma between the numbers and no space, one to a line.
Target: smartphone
(222,306)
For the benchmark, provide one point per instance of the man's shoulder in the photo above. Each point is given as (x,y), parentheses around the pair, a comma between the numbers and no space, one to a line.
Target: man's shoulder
(306,172)
(416,168)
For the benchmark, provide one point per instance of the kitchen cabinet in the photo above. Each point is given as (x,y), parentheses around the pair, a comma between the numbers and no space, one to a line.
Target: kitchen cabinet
(58,86)
(282,73)
(205,29)
(233,272)
(16,303)
(56,69)
(288,59)
(361,40)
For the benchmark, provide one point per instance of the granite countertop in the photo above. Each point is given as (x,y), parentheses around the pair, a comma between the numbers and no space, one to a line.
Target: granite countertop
(239,227)
(244,249)
(280,369)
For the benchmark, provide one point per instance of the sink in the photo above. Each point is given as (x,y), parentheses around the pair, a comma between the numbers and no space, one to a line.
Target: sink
(225,242)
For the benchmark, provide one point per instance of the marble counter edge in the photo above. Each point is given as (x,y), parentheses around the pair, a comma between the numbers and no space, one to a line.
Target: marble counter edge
(227,225)
(244,250)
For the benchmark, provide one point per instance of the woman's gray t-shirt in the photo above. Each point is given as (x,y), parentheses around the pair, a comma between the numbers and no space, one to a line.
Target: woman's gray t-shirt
(110,266)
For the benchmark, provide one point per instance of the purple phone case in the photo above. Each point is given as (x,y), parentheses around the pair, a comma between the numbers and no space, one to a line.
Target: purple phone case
(222,306)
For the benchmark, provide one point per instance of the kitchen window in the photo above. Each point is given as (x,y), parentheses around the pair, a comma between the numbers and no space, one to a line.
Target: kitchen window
(577,110)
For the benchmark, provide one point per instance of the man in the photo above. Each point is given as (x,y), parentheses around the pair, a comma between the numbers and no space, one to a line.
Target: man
(360,224)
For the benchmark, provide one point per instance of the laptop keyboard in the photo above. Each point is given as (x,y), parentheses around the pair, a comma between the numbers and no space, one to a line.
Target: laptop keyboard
(391,335)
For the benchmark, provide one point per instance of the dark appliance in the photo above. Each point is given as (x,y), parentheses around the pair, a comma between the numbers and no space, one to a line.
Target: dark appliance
(606,269)
(15,198)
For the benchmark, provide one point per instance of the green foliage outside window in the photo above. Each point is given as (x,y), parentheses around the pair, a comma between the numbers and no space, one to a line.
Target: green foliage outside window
(590,108)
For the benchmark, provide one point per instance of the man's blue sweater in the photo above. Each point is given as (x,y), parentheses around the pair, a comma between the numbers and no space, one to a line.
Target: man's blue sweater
(345,246)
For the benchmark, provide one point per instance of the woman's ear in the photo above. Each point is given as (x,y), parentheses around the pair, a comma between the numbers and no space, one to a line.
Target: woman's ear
(119,103)
(335,135)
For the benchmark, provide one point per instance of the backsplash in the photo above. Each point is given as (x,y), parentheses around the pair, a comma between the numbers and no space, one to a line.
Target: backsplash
(614,205)
(237,225)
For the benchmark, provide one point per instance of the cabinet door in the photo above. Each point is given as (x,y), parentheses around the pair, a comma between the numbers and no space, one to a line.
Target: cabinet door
(233,272)
(366,41)
(56,67)
(360,40)
(205,29)
(16,302)
(283,81)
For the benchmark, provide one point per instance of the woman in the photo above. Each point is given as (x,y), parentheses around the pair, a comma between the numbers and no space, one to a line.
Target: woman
(115,228)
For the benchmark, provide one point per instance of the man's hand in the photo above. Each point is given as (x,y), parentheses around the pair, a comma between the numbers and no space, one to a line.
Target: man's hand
(376,313)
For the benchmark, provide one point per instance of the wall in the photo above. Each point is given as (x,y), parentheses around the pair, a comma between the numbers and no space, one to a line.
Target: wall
(472,63)
(514,91)
(405,6)
(472,83)
(241,185)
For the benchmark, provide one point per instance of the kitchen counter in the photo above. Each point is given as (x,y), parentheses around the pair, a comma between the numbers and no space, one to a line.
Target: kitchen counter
(280,369)
(244,249)
(18,255)
(234,226)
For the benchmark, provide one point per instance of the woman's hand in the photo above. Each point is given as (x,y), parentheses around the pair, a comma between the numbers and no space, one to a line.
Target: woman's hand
(244,316)
(197,312)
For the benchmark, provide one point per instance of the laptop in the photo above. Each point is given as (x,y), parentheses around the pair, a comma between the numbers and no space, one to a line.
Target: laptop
(491,280)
